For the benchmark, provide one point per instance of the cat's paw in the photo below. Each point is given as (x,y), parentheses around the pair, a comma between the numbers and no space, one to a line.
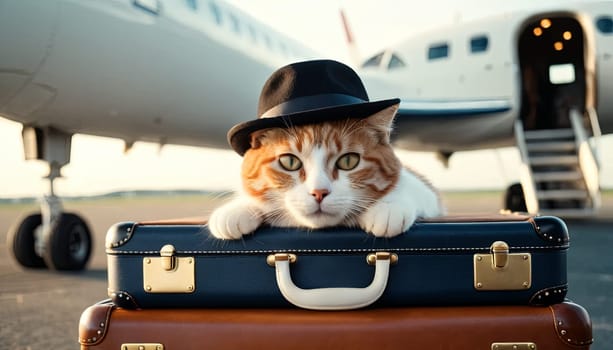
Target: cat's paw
(387,220)
(233,220)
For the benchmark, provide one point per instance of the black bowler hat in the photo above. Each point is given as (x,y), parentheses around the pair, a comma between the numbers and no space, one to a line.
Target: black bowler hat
(308,92)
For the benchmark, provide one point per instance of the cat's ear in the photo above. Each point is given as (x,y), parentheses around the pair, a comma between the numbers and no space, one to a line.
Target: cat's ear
(256,138)
(383,121)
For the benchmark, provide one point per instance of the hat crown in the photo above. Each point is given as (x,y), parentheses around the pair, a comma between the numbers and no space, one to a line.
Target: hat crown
(305,93)
(310,78)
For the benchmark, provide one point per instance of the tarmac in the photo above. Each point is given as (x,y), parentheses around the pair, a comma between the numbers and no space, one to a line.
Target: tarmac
(40,309)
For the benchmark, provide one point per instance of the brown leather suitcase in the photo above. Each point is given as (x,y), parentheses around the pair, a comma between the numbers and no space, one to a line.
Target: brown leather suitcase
(559,326)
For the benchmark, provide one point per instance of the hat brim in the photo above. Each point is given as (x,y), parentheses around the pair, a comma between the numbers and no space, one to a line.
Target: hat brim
(239,136)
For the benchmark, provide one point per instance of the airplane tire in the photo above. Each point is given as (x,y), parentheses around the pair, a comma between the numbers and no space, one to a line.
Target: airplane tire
(20,240)
(514,199)
(69,245)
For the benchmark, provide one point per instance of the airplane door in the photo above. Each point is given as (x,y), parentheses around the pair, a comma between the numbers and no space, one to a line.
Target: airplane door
(552,62)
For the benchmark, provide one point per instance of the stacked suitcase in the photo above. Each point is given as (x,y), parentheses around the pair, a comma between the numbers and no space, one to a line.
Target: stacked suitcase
(448,283)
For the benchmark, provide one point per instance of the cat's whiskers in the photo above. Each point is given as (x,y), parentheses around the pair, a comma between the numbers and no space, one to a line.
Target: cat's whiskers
(282,196)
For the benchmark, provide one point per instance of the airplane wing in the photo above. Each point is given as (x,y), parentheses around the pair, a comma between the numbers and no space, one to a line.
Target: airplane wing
(450,108)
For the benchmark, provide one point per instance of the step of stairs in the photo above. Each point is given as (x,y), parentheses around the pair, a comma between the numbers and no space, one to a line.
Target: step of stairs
(553,160)
(561,146)
(561,194)
(557,176)
(549,134)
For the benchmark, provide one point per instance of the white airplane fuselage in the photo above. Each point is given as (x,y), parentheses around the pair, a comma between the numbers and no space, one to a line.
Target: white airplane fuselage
(470,96)
(110,68)
(185,72)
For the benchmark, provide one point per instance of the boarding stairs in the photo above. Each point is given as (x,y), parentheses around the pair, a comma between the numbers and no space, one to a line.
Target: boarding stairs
(560,171)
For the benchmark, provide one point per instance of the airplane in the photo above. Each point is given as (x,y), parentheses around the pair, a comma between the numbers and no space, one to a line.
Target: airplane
(160,71)
(539,80)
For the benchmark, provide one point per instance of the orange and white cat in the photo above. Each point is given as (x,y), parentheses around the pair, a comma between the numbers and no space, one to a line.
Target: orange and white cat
(336,173)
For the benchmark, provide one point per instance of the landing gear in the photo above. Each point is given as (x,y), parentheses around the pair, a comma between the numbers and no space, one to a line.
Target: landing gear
(52,238)
(67,247)
(514,199)
(21,242)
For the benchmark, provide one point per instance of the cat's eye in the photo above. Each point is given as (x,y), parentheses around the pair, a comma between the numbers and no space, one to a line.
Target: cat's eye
(348,161)
(290,162)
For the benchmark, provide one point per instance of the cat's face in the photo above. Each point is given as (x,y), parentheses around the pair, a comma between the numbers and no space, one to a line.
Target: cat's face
(321,175)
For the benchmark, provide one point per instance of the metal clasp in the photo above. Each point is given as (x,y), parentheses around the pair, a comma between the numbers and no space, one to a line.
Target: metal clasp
(169,273)
(500,254)
(502,270)
(270,259)
(168,259)
(513,346)
(371,259)
(142,346)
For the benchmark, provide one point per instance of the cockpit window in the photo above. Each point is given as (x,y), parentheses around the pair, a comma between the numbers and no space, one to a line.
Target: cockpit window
(605,24)
(479,43)
(438,51)
(374,61)
(395,62)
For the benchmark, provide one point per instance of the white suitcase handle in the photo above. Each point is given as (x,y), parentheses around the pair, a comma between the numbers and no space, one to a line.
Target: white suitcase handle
(332,298)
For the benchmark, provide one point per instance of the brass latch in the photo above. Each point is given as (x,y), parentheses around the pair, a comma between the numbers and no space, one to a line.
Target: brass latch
(500,254)
(143,346)
(514,346)
(501,270)
(168,259)
(270,259)
(372,258)
(169,273)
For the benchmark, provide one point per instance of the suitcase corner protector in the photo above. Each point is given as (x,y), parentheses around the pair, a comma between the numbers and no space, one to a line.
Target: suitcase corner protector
(119,234)
(94,322)
(573,324)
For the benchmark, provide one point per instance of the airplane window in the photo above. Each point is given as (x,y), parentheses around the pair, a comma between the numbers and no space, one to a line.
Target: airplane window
(193,4)
(479,44)
(235,23)
(216,12)
(374,61)
(395,62)
(283,49)
(268,41)
(253,33)
(562,73)
(605,24)
(438,51)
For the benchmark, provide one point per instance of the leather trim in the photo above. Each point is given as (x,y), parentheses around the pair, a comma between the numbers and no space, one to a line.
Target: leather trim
(119,234)
(123,299)
(197,220)
(94,323)
(476,218)
(549,296)
(572,323)
(440,219)
(551,229)
(337,251)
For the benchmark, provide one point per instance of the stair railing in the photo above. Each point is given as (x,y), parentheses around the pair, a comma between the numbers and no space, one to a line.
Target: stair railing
(587,160)
(596,133)
(525,170)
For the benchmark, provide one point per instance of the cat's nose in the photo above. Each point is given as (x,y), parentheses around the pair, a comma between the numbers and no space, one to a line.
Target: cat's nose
(319,194)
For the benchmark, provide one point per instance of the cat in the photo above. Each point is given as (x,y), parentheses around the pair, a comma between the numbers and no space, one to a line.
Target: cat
(336,173)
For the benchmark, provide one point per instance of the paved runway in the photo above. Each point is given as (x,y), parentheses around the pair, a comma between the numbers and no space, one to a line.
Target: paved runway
(41,309)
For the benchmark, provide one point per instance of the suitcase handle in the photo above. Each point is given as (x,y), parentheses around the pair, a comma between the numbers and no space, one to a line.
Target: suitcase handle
(332,298)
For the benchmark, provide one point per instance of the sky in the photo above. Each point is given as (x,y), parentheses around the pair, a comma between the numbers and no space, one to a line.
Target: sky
(98,165)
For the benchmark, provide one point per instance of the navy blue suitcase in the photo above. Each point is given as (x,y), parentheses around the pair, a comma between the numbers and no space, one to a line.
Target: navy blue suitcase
(501,260)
